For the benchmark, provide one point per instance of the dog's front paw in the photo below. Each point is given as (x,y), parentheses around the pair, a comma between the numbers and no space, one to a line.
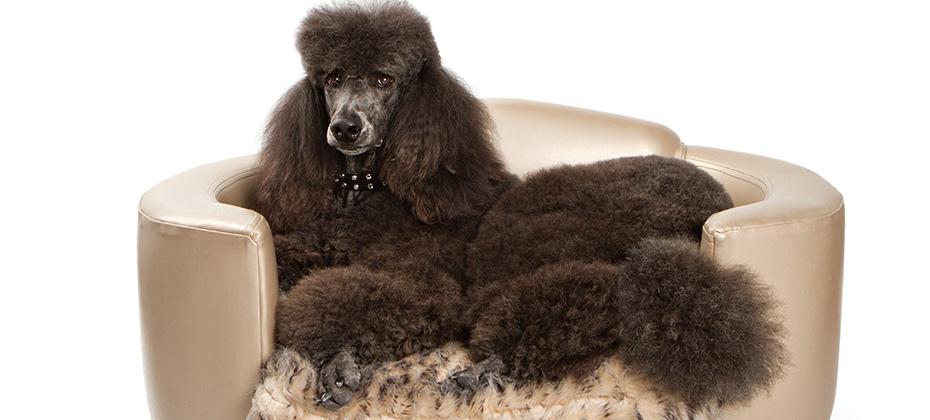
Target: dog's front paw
(461,382)
(470,379)
(340,377)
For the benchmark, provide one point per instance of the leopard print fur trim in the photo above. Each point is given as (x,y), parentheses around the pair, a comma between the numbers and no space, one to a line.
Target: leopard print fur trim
(409,389)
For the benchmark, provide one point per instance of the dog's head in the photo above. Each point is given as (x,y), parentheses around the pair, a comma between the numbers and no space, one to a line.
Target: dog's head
(374,78)
(361,57)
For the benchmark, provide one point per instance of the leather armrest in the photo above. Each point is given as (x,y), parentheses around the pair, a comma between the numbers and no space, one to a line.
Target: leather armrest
(208,290)
(788,227)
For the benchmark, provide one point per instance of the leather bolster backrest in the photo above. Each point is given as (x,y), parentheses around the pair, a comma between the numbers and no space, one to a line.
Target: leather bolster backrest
(535,135)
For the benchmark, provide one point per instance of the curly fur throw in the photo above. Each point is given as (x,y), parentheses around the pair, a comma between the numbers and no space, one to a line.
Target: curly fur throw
(409,389)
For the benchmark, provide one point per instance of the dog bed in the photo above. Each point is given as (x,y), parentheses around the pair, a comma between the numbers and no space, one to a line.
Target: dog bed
(409,389)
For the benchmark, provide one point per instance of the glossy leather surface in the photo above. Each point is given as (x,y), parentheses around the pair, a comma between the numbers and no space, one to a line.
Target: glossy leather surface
(792,237)
(207,289)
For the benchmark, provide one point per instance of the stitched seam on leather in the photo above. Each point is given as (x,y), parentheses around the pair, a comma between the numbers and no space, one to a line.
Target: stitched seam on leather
(787,223)
(229,179)
(767,193)
(764,185)
(178,225)
(261,303)
(711,240)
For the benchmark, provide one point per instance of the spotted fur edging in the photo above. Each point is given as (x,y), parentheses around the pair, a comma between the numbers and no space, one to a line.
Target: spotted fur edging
(409,389)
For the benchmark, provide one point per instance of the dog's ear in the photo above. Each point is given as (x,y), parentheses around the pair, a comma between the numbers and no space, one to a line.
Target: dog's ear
(439,155)
(296,164)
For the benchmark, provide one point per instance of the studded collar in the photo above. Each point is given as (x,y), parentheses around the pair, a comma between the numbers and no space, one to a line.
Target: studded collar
(361,181)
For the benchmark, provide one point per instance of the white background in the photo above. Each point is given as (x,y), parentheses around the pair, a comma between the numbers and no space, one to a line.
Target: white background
(99,101)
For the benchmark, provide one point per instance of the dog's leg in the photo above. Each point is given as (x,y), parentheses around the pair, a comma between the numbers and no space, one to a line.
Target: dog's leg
(475,376)
(557,322)
(339,379)
(346,318)
(698,330)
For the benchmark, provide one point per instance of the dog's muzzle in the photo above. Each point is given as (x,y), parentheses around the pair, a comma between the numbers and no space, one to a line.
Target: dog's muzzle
(352,134)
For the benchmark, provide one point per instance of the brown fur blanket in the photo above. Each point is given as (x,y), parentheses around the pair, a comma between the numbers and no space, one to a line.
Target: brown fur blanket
(409,389)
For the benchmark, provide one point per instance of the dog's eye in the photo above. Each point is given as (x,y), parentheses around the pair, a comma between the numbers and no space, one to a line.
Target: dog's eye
(385,81)
(333,80)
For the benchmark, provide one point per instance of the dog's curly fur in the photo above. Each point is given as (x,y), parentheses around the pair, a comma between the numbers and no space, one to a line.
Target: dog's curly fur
(437,156)
(571,266)
(580,263)
(377,276)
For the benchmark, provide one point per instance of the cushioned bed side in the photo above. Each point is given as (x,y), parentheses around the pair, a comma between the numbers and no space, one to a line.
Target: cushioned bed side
(793,239)
(207,290)
(536,135)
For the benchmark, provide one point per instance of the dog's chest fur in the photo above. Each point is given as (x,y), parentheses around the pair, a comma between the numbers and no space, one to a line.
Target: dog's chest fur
(378,232)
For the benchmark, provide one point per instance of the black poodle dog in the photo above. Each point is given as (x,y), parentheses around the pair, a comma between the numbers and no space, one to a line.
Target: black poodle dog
(375,171)
(397,228)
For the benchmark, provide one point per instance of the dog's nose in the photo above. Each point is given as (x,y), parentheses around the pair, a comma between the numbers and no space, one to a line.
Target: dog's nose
(346,130)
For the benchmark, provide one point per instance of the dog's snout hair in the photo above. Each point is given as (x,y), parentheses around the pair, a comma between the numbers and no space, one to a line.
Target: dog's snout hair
(359,113)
